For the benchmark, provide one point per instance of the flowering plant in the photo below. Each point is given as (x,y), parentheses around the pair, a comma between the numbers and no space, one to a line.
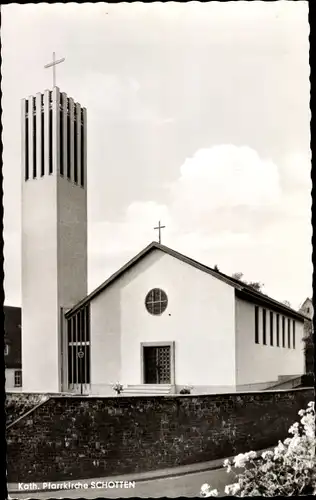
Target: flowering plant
(288,470)
(118,388)
(186,390)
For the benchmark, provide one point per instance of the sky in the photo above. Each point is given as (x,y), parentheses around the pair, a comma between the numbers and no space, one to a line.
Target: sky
(198,116)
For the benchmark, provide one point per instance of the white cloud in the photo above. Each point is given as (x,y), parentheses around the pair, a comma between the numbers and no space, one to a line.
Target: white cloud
(224,177)
(212,215)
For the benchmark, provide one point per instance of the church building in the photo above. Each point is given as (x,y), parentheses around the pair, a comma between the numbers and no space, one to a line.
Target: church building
(160,323)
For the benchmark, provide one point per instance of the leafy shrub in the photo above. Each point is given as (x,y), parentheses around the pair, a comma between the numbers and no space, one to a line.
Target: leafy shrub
(288,470)
(118,388)
(185,390)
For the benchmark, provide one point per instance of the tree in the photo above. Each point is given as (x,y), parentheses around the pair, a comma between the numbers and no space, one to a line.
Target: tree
(287,303)
(309,346)
(238,276)
(256,285)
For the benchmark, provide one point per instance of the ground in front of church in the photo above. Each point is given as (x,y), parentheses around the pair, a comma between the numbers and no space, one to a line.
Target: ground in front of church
(187,485)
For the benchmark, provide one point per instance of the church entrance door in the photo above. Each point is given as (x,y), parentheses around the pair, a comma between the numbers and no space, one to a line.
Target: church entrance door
(157,364)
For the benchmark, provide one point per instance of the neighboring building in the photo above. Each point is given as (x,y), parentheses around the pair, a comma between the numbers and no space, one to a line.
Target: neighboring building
(307,309)
(162,321)
(12,348)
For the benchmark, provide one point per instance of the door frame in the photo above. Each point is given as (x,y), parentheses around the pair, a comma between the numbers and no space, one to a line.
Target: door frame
(172,359)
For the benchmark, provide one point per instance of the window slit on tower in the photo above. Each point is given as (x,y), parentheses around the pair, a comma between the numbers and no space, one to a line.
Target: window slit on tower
(76,129)
(42,137)
(26,140)
(50,135)
(61,136)
(34,136)
(68,140)
(82,149)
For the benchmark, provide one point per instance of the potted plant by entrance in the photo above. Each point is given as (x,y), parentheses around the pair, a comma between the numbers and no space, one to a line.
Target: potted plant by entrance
(186,390)
(118,388)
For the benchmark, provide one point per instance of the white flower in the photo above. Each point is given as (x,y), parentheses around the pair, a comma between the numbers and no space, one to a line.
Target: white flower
(232,489)
(289,470)
(207,492)
(240,460)
(205,487)
(294,428)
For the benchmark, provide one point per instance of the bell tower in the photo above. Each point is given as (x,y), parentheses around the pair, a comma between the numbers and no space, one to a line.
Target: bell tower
(54,230)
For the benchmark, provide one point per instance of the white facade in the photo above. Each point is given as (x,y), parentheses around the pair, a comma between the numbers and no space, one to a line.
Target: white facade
(54,231)
(212,332)
(199,319)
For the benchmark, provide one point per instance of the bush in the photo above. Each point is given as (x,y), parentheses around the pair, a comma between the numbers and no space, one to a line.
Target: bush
(185,390)
(289,470)
(308,380)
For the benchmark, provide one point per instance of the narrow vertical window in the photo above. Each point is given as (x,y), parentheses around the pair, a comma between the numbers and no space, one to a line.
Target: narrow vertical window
(34,137)
(68,141)
(256,324)
(88,364)
(289,333)
(26,140)
(70,348)
(82,152)
(75,350)
(278,330)
(61,136)
(18,378)
(271,328)
(264,326)
(283,331)
(42,138)
(50,135)
(88,322)
(76,128)
(293,332)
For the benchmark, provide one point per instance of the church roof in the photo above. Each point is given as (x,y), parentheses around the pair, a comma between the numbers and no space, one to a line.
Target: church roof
(242,290)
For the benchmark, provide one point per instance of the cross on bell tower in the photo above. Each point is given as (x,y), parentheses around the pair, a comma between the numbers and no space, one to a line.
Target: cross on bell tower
(53,65)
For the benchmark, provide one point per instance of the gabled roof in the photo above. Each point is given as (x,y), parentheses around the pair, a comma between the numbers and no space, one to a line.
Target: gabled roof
(242,290)
(306,301)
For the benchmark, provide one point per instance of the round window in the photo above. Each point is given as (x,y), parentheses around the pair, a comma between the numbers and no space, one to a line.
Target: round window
(156,301)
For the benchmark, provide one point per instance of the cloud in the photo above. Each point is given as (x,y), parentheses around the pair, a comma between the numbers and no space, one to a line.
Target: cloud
(223,177)
(225,208)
